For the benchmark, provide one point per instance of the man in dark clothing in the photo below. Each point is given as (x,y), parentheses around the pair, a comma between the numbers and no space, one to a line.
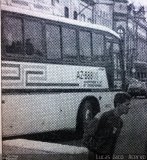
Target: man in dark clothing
(101,143)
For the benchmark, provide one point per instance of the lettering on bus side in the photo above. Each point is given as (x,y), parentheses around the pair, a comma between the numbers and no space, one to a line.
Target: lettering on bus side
(87,75)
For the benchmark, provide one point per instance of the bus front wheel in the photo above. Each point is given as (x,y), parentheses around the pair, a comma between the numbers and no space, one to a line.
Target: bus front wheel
(86,113)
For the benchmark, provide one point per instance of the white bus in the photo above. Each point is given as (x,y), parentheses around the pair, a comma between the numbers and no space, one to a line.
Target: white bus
(57,73)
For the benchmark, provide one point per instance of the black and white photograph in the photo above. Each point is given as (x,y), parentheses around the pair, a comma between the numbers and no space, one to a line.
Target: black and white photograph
(73,79)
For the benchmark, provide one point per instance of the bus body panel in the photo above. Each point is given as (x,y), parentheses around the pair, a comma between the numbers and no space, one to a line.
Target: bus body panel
(44,97)
(24,114)
(39,96)
(34,113)
(21,75)
(70,103)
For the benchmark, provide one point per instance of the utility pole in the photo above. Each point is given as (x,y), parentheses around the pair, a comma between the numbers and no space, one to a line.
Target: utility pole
(113,24)
(93,14)
(134,45)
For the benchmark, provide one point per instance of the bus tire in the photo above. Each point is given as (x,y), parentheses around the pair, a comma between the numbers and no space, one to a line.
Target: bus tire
(87,111)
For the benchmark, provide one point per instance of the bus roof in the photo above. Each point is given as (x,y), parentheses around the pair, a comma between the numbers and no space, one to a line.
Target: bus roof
(44,15)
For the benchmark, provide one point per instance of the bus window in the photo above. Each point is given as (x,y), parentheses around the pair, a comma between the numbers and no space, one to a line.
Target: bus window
(98,47)
(109,64)
(69,43)
(116,56)
(53,42)
(117,66)
(33,38)
(85,45)
(108,53)
(13,35)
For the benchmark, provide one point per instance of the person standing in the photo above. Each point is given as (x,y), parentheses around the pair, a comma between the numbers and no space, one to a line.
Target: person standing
(101,143)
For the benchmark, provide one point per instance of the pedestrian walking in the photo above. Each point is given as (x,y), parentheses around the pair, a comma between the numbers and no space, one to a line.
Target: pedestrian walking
(101,134)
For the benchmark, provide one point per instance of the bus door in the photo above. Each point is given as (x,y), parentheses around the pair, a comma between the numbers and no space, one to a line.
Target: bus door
(113,64)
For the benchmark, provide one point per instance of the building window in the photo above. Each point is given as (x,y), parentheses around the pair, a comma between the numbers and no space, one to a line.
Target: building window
(66,12)
(90,20)
(138,75)
(121,32)
(100,13)
(83,17)
(53,2)
(141,75)
(103,14)
(75,15)
(107,16)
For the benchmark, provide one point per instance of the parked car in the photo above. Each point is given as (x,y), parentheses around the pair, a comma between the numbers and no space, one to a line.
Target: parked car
(137,88)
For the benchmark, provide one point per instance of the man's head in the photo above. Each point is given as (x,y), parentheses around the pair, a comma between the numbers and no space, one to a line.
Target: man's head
(122,103)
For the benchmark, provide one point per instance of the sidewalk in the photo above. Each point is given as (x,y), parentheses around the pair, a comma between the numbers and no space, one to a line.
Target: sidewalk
(22,149)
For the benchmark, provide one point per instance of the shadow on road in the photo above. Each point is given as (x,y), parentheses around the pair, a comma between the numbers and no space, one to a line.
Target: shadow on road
(54,136)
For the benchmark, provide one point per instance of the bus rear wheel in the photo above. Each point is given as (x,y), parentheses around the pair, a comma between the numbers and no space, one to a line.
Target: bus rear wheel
(86,113)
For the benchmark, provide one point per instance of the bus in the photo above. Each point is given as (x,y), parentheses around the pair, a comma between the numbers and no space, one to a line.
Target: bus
(57,73)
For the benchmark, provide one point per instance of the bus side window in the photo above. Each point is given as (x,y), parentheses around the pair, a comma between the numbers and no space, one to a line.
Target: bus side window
(117,66)
(109,64)
(85,46)
(29,47)
(13,35)
(69,44)
(33,38)
(98,48)
(53,43)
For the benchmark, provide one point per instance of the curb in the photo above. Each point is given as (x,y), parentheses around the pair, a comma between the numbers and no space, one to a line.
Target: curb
(22,149)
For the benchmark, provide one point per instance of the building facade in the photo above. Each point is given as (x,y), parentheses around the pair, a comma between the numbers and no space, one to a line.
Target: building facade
(103,13)
(120,24)
(137,42)
(131,24)
(92,11)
